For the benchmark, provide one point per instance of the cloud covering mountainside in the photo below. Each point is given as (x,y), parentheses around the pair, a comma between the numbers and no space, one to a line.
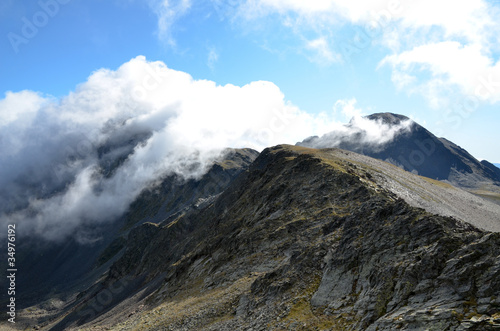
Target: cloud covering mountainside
(74,162)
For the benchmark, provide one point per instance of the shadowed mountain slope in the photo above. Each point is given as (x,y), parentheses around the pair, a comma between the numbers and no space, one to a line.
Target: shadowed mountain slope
(418,150)
(53,272)
(304,239)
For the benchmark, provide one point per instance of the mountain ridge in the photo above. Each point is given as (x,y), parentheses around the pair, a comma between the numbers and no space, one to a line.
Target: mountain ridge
(303,239)
(293,238)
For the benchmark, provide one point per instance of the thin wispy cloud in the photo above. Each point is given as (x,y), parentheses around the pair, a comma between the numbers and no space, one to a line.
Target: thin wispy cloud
(425,49)
(444,46)
(212,58)
(168,13)
(321,52)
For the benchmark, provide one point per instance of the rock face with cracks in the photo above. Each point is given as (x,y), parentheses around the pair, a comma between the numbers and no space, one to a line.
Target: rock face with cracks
(302,240)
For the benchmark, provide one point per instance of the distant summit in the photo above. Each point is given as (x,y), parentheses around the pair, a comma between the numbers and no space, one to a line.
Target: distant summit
(388,118)
(413,148)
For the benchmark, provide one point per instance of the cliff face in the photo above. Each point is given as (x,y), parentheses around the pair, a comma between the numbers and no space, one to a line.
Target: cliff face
(304,239)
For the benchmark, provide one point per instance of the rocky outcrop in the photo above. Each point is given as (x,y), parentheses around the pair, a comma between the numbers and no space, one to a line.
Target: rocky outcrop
(305,240)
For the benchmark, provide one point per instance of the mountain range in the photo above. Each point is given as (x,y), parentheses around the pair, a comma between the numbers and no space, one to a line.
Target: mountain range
(334,233)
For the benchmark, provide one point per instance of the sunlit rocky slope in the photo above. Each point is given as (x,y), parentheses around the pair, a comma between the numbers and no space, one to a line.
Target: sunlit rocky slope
(304,239)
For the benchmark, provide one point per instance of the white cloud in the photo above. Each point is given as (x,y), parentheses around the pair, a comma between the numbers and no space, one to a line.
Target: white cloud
(449,64)
(327,10)
(58,180)
(310,7)
(467,19)
(320,13)
(22,104)
(322,52)
(348,108)
(361,132)
(464,18)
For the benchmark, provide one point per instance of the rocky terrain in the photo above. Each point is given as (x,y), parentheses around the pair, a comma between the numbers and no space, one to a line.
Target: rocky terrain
(54,271)
(304,239)
(434,196)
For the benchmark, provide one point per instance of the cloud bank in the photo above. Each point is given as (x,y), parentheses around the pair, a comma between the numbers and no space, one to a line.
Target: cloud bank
(70,164)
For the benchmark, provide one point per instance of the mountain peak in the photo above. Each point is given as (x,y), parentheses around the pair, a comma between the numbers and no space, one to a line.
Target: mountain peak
(412,148)
(388,118)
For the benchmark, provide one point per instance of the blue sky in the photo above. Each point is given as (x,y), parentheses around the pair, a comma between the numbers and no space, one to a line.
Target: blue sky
(435,62)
